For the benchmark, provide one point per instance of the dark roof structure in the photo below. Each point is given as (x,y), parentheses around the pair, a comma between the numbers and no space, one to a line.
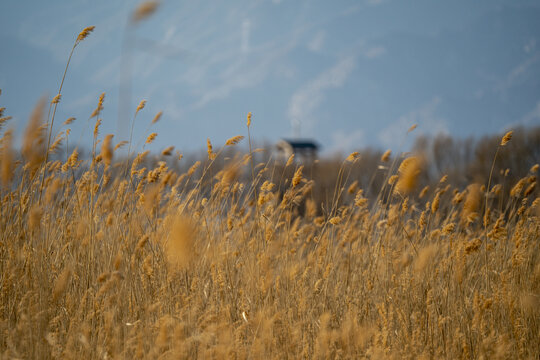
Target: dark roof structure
(302,144)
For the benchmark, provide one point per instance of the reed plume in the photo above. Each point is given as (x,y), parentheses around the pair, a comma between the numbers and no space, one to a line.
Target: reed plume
(6,158)
(472,203)
(33,148)
(144,10)
(180,243)
(408,171)
(234,140)
(107,150)
(506,138)
(386,156)
(61,284)
(157,117)
(84,33)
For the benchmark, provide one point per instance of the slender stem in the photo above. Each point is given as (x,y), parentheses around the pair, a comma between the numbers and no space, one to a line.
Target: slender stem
(129,146)
(50,126)
(125,90)
(490,175)
(131,134)
(484,218)
(254,183)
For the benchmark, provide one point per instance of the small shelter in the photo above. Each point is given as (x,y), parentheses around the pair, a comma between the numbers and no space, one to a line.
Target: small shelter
(303,149)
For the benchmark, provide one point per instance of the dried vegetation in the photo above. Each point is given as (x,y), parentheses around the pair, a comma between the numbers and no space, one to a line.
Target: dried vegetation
(109,259)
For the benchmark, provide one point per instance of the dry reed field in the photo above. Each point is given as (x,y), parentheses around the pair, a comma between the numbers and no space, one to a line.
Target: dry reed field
(105,257)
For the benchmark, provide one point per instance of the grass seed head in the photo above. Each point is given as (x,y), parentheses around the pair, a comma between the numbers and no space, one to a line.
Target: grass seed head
(150,138)
(234,140)
(167,151)
(353,156)
(84,33)
(56,99)
(289,160)
(423,192)
(141,106)
(506,138)
(386,156)
(435,203)
(69,121)
(211,154)
(297,176)
(99,106)
(157,117)
(3,120)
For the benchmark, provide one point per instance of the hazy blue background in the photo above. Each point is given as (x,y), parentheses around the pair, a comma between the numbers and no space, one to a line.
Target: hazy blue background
(350,73)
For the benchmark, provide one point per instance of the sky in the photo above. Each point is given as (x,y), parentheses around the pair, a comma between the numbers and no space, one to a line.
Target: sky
(348,74)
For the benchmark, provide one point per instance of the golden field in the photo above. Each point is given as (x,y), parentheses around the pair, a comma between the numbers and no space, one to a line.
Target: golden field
(132,258)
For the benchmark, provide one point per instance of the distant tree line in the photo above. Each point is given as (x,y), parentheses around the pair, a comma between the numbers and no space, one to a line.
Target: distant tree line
(463,161)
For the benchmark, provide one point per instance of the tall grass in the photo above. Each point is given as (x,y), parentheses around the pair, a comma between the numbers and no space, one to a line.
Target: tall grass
(116,260)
